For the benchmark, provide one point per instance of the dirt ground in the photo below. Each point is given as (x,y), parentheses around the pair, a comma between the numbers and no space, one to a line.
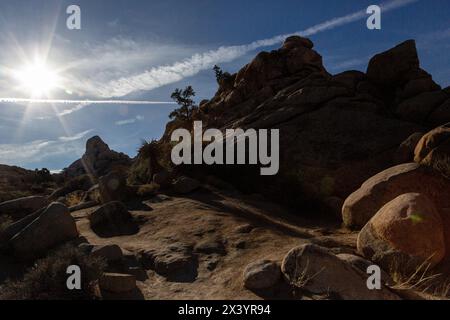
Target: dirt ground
(249,228)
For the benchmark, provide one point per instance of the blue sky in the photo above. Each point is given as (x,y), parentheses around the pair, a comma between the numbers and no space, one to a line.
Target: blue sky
(143,50)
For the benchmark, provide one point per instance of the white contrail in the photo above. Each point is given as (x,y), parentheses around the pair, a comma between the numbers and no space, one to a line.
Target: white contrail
(86,102)
(163,75)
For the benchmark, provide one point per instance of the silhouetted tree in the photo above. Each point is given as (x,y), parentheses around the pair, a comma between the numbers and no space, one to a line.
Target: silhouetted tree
(218,72)
(220,75)
(187,105)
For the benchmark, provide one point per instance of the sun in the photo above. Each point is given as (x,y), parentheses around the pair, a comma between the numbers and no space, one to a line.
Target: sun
(38,79)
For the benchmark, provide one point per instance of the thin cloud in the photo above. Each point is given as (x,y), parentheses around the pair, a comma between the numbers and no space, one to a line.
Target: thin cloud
(163,75)
(350,63)
(129,121)
(37,151)
(72,110)
(75,137)
(85,102)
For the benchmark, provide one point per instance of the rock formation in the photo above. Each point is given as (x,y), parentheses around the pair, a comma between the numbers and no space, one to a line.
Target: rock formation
(336,131)
(98,160)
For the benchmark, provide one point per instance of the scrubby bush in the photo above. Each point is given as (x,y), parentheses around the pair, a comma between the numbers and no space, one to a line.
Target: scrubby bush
(146,164)
(46,280)
(42,176)
(75,198)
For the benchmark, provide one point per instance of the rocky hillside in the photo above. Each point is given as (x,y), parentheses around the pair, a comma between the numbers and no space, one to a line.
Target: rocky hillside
(15,182)
(336,131)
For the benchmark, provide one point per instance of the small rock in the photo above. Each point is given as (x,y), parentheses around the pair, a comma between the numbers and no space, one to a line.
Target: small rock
(210,246)
(111,253)
(245,228)
(117,282)
(261,274)
(212,263)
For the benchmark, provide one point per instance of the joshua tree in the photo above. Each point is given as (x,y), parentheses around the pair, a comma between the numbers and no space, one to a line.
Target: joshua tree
(187,105)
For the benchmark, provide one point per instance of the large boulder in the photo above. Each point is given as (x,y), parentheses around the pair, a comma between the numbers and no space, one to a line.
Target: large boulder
(113,187)
(395,66)
(112,219)
(14,228)
(318,271)
(19,208)
(404,234)
(364,203)
(433,149)
(261,274)
(53,227)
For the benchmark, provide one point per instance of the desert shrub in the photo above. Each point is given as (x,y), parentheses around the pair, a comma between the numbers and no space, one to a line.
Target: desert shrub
(42,176)
(46,280)
(146,164)
(75,198)
(83,182)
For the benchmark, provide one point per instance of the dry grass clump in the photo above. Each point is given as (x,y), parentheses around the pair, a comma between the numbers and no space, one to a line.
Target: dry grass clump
(46,280)
(422,280)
